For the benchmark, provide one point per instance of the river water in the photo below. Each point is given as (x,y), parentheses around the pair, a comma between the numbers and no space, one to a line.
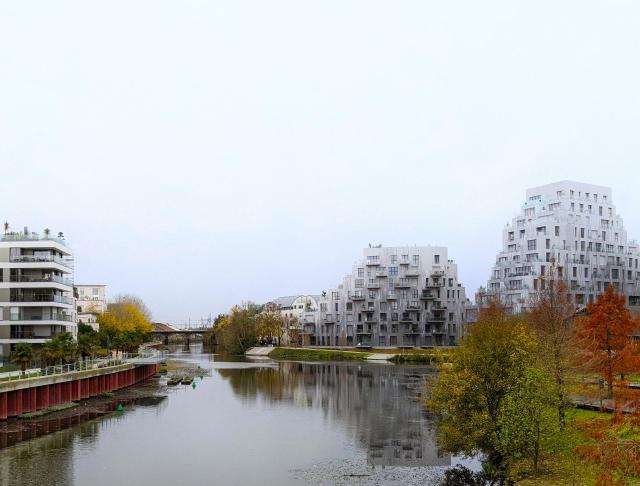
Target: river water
(249,422)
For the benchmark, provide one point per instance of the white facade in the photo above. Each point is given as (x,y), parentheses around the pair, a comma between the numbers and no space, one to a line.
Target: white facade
(91,301)
(36,289)
(576,226)
(395,296)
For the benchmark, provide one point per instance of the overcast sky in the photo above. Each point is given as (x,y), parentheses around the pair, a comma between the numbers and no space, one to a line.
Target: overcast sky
(199,154)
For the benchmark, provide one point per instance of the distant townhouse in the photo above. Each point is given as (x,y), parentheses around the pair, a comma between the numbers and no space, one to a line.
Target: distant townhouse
(36,289)
(575,227)
(91,301)
(394,296)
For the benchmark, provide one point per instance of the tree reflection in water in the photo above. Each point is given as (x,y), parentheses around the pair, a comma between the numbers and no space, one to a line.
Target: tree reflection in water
(380,403)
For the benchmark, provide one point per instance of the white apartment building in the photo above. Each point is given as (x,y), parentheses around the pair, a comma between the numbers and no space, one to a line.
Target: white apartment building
(298,309)
(91,301)
(394,296)
(576,226)
(36,289)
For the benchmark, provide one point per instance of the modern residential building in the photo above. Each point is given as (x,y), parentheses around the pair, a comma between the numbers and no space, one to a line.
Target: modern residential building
(296,309)
(575,227)
(394,296)
(36,289)
(91,301)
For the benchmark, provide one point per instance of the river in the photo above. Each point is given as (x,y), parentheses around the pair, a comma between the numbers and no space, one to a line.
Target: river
(245,423)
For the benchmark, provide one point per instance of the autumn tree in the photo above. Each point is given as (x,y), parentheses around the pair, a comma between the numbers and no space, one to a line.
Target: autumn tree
(603,339)
(474,398)
(552,319)
(125,324)
(236,332)
(270,325)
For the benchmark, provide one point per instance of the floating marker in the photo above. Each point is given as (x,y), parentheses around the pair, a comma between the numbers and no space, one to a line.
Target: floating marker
(120,409)
(202,377)
(193,385)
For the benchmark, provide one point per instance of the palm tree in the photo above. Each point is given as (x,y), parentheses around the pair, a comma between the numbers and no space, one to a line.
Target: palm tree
(6,227)
(22,355)
(47,232)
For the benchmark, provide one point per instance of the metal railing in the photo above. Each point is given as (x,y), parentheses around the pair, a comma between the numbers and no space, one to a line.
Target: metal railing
(31,237)
(90,364)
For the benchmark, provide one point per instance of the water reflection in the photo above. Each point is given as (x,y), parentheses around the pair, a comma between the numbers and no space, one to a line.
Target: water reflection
(380,405)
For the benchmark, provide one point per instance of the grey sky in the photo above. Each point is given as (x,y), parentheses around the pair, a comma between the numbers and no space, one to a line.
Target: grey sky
(203,153)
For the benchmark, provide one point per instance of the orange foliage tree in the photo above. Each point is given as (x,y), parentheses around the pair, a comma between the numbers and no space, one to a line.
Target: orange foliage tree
(604,343)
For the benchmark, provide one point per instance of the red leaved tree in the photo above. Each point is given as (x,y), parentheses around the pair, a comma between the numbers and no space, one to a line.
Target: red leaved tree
(603,339)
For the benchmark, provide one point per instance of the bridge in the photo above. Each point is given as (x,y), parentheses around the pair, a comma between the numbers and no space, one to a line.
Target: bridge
(165,331)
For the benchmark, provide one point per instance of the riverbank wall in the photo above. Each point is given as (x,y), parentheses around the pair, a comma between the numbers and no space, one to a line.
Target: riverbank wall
(38,393)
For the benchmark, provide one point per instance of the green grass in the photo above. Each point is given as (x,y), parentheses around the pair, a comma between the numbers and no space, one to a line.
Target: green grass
(46,411)
(317,354)
(9,367)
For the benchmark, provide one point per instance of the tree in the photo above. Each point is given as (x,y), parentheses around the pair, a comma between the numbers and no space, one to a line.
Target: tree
(6,227)
(60,349)
(292,330)
(237,331)
(270,325)
(528,420)
(88,344)
(603,339)
(125,323)
(551,318)
(22,355)
(468,397)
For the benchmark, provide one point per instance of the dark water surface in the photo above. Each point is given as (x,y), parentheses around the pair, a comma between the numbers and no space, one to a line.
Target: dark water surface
(250,422)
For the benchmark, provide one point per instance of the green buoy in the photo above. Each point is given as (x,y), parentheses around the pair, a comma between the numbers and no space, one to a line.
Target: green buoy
(202,377)
(193,385)
(120,409)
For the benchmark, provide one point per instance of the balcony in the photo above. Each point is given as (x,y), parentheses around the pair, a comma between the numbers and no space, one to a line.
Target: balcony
(357,296)
(373,285)
(363,330)
(403,283)
(405,262)
(413,306)
(41,259)
(427,295)
(41,298)
(31,237)
(373,262)
(35,318)
(392,296)
(31,335)
(413,271)
(38,279)
(412,329)
(406,318)
(309,328)
(382,273)
(436,317)
(435,284)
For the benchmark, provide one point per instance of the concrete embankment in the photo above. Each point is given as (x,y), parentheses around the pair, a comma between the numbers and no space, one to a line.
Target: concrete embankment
(37,393)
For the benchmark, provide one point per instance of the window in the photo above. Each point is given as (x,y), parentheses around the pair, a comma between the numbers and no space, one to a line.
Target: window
(436,259)
(359,283)
(360,272)
(95,291)
(394,258)
(393,271)
(416,259)
(531,244)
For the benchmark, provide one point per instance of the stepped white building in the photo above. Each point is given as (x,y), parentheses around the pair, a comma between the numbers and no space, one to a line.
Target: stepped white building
(36,289)
(575,225)
(394,296)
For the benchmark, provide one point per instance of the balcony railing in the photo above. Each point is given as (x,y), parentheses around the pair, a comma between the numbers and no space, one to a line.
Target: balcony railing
(31,237)
(427,295)
(392,296)
(41,298)
(41,259)
(37,279)
(357,296)
(52,317)
(413,271)
(373,285)
(382,273)
(32,335)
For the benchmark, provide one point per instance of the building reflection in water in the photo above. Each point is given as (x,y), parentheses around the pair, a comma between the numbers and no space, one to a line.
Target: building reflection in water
(380,404)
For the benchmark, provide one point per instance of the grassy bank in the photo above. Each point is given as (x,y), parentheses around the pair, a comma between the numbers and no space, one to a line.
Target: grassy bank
(433,356)
(46,411)
(317,354)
